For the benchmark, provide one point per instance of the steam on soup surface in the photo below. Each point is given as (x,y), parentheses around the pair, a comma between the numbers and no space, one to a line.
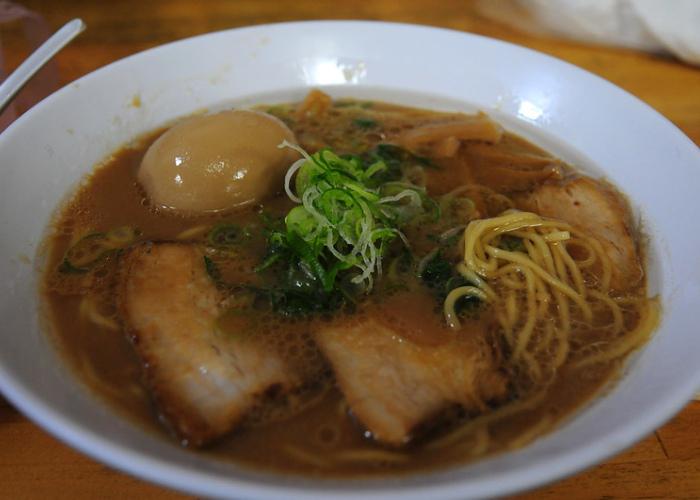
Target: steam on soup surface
(420,289)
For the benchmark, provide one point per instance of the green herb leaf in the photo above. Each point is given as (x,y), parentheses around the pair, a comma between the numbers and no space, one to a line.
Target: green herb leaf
(212,270)
(365,123)
(511,243)
(437,272)
(440,275)
(394,153)
(226,235)
(67,268)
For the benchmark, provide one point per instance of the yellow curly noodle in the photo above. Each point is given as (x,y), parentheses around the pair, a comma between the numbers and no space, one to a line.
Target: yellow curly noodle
(548,298)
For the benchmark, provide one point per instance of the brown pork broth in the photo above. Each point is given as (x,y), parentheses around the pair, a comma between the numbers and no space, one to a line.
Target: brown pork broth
(310,432)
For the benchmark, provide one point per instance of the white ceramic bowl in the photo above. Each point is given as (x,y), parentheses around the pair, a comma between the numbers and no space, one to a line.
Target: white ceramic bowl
(579,116)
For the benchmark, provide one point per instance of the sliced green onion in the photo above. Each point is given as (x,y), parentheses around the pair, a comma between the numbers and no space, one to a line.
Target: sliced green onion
(90,249)
(121,236)
(225,235)
(288,179)
(344,219)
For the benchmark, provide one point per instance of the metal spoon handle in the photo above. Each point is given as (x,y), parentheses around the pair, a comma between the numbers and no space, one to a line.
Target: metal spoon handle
(26,70)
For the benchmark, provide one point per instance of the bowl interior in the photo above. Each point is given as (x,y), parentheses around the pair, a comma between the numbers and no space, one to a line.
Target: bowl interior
(578,116)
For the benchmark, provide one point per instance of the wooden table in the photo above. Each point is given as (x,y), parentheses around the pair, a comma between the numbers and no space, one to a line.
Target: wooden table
(34,465)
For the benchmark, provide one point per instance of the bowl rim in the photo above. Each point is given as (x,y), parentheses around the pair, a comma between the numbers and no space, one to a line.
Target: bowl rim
(183,478)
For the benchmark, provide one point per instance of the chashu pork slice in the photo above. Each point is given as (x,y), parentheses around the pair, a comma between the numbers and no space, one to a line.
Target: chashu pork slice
(203,381)
(393,384)
(599,211)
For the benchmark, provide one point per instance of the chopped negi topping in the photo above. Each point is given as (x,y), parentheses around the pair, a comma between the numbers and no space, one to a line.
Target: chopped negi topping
(332,243)
(93,247)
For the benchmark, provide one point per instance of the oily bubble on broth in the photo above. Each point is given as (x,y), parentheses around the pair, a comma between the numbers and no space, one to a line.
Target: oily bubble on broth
(292,340)
(212,163)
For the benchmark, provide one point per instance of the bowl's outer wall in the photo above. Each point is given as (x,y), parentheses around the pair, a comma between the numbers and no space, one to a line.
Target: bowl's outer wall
(46,152)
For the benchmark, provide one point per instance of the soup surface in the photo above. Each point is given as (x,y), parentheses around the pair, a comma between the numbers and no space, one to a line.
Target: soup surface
(424,290)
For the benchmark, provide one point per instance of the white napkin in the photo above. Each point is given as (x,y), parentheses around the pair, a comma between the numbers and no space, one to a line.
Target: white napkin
(671,26)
